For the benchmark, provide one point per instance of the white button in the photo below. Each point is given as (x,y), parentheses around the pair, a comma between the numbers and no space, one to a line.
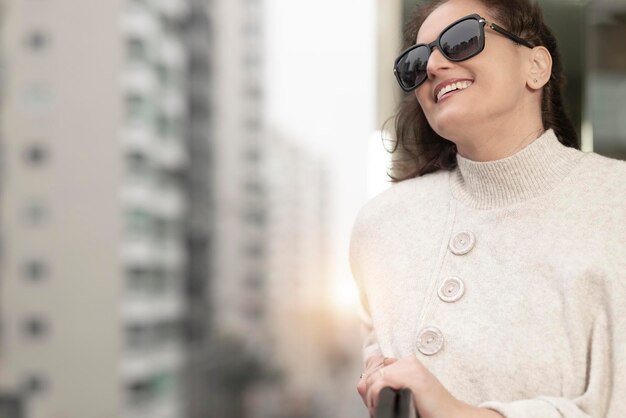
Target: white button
(462,243)
(451,289)
(429,341)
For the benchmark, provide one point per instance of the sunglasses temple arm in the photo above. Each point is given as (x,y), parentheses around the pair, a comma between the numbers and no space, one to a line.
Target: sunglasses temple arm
(510,35)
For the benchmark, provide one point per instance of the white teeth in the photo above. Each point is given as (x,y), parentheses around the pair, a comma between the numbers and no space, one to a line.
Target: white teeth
(460,85)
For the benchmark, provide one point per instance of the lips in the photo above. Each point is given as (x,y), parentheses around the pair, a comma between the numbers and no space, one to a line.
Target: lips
(450,85)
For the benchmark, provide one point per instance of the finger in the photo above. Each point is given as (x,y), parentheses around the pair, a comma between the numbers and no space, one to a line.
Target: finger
(364,382)
(373,393)
(374,360)
(375,383)
(367,375)
(361,387)
(389,360)
(373,376)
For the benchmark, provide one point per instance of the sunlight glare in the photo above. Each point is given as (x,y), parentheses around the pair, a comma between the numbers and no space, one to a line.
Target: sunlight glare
(345,296)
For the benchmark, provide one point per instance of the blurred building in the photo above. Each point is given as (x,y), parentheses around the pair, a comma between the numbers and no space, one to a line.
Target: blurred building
(606,86)
(162,254)
(267,277)
(240,211)
(389,42)
(199,242)
(92,207)
(230,306)
(302,333)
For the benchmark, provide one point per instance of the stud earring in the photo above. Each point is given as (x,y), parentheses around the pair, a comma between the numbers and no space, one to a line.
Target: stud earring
(535,80)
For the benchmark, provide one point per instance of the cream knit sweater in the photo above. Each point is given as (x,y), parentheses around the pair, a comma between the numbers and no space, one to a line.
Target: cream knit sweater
(507,279)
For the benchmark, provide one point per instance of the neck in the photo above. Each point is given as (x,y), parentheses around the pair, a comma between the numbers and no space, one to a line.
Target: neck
(497,144)
(502,135)
(528,173)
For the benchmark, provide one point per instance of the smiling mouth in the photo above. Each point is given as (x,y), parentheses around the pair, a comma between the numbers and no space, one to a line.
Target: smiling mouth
(459,85)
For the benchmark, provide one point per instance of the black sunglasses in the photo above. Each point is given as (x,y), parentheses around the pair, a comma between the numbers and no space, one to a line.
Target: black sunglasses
(460,41)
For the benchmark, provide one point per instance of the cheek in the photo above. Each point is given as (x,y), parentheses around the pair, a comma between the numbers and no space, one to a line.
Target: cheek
(504,87)
(504,71)
(419,95)
(422,96)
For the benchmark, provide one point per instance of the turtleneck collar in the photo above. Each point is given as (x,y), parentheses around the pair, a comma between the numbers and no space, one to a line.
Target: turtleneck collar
(530,172)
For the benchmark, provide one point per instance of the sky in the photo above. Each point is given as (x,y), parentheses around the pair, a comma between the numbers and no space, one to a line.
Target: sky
(327,100)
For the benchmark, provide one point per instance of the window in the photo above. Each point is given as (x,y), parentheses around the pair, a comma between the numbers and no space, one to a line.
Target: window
(165,383)
(140,393)
(35,154)
(137,50)
(139,108)
(138,280)
(36,270)
(167,179)
(35,384)
(35,327)
(168,76)
(37,40)
(167,332)
(138,165)
(140,223)
(169,127)
(138,337)
(143,281)
(144,391)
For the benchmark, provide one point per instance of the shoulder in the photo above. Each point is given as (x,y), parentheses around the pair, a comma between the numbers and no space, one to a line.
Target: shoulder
(597,195)
(602,177)
(389,217)
(406,196)
(605,167)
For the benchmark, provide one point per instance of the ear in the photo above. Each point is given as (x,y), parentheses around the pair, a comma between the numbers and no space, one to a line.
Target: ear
(540,68)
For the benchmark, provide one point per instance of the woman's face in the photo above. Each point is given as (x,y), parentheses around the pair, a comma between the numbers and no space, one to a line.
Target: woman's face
(496,77)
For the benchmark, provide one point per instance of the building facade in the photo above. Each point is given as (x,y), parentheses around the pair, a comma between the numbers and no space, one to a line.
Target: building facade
(92,207)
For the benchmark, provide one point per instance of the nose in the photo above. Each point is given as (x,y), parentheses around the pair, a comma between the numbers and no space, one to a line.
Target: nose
(436,63)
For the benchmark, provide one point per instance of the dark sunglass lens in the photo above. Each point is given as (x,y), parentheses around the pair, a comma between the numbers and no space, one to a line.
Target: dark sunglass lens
(462,40)
(411,67)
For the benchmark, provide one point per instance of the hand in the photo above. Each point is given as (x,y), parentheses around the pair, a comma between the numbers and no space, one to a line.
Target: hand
(432,400)
(372,364)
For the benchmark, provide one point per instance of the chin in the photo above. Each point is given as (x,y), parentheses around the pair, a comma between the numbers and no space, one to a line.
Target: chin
(450,126)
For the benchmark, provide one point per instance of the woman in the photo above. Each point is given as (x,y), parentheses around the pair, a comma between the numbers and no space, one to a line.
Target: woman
(493,276)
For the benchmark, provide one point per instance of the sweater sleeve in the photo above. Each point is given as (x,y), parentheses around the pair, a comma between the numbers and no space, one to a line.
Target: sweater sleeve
(605,392)
(370,342)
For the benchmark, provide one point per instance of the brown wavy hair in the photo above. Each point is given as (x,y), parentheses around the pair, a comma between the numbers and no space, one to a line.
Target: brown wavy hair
(417,149)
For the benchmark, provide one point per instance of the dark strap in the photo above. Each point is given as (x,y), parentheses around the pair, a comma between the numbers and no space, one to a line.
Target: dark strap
(395,404)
